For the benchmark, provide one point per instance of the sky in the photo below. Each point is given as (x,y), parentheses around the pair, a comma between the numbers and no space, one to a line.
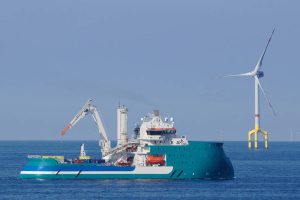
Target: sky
(169,55)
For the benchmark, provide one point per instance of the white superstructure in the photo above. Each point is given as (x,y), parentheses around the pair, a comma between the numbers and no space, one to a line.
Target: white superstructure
(152,130)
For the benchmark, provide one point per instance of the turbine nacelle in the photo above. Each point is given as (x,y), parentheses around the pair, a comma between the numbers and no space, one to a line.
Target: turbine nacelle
(260,74)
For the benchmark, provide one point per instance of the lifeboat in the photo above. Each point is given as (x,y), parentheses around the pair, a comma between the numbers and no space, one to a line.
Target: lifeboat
(155,160)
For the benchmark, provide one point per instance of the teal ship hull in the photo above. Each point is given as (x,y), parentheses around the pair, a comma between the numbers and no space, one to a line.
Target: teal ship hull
(197,160)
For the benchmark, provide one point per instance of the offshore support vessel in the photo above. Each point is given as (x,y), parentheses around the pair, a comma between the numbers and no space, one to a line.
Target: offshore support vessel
(155,152)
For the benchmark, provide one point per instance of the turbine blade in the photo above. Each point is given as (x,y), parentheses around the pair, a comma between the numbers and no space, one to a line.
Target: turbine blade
(267,99)
(244,74)
(259,63)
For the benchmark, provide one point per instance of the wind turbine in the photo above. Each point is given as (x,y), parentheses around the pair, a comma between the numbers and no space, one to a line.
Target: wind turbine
(257,73)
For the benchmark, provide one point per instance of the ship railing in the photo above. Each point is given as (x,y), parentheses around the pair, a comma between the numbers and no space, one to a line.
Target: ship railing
(116,150)
(121,148)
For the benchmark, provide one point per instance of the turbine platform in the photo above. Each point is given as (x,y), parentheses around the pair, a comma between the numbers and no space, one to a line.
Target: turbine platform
(255,133)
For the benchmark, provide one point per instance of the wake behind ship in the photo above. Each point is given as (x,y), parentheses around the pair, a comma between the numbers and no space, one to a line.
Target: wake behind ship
(155,152)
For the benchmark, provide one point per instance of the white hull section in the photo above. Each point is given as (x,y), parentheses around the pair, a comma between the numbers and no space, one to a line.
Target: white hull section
(137,170)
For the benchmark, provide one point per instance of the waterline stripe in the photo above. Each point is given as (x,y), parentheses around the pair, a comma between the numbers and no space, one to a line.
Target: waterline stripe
(138,170)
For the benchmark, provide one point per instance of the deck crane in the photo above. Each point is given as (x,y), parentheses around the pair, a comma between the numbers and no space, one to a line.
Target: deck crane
(88,108)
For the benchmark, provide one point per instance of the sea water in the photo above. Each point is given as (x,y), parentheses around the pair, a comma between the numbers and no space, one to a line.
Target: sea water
(259,174)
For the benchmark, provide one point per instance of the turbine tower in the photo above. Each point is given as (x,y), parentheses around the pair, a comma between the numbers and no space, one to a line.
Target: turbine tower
(257,73)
